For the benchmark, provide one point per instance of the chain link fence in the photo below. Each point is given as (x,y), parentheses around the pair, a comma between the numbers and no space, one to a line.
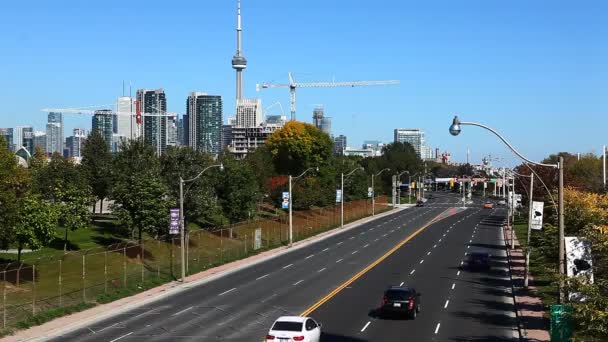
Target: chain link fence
(30,287)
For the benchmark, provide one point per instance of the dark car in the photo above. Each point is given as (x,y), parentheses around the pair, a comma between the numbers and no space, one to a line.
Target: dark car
(400,300)
(419,203)
(478,261)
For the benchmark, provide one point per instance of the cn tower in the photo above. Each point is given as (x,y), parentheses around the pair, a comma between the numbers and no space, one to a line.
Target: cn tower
(239,63)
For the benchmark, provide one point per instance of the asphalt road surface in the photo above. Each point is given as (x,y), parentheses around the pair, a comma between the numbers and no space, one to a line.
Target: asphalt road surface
(339,281)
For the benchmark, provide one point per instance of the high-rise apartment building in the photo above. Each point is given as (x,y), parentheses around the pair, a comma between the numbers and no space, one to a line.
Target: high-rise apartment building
(28,139)
(18,136)
(103,122)
(154,126)
(339,144)
(414,137)
(54,133)
(40,141)
(172,130)
(321,121)
(204,114)
(249,113)
(75,142)
(126,124)
(7,134)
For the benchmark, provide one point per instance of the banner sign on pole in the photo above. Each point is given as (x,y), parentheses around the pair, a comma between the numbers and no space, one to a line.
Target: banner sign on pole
(537,215)
(285,203)
(338,196)
(370,192)
(173,221)
(578,262)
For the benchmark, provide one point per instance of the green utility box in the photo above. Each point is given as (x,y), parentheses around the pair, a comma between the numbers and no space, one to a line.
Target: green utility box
(561,325)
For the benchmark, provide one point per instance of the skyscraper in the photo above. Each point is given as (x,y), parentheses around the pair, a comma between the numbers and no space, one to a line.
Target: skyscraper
(28,139)
(7,134)
(126,125)
(414,137)
(172,130)
(54,133)
(39,141)
(339,144)
(154,127)
(204,114)
(249,112)
(74,143)
(103,121)
(18,136)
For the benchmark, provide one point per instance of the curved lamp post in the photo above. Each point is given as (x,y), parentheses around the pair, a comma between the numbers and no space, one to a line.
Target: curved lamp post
(290,202)
(182,216)
(455,129)
(374,190)
(409,186)
(342,190)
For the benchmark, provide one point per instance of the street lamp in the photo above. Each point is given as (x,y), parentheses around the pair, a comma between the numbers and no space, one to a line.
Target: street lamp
(290,202)
(182,216)
(409,198)
(342,191)
(455,129)
(374,190)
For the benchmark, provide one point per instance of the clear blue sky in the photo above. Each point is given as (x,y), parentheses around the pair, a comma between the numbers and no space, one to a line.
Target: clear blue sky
(536,70)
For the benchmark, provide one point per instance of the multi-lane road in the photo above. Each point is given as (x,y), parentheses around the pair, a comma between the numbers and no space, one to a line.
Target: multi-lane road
(340,280)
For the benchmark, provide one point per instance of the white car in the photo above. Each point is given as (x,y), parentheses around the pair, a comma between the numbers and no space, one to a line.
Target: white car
(502,202)
(294,328)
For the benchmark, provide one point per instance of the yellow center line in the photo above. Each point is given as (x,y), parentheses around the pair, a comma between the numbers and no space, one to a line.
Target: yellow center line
(333,293)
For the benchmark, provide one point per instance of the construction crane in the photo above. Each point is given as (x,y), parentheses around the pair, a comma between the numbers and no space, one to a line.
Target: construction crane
(293,85)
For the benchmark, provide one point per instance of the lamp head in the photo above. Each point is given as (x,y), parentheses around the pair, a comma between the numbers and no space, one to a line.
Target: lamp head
(221,166)
(455,127)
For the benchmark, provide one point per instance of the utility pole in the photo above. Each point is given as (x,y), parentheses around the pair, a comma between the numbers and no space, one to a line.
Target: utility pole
(530,217)
(394,180)
(290,215)
(562,253)
(182,229)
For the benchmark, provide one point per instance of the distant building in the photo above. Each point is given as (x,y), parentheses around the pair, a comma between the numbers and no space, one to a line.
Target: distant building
(426,153)
(54,133)
(249,113)
(180,131)
(248,139)
(126,121)
(28,139)
(39,141)
(414,137)
(321,121)
(227,133)
(339,144)
(172,130)
(204,113)
(103,121)
(276,120)
(154,127)
(7,134)
(361,152)
(19,135)
(75,142)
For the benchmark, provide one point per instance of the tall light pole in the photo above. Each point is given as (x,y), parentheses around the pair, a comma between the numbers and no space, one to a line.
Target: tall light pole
(455,129)
(374,190)
(182,216)
(291,179)
(342,190)
(399,181)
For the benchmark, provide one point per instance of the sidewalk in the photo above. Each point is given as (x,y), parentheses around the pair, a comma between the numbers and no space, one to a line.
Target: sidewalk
(533,326)
(81,319)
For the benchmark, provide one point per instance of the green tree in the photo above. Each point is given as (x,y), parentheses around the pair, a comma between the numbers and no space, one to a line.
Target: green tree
(586,174)
(141,197)
(200,200)
(261,161)
(298,146)
(14,182)
(237,189)
(37,221)
(63,183)
(96,164)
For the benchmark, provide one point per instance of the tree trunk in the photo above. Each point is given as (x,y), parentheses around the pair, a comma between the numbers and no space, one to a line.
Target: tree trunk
(65,241)
(94,206)
(101,206)
(19,248)
(139,235)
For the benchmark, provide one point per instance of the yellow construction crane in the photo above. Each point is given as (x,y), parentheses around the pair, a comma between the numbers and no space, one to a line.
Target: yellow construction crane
(293,85)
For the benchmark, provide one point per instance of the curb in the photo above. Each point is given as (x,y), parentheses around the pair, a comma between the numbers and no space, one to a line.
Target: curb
(520,328)
(78,320)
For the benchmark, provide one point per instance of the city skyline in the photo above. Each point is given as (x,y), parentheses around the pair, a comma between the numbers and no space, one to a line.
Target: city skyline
(479,74)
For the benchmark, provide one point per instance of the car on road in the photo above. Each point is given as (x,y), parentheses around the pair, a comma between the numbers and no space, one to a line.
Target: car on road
(294,328)
(401,300)
(419,203)
(488,205)
(502,202)
(478,261)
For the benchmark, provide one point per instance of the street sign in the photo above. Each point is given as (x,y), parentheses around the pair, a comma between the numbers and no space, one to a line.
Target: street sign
(338,196)
(173,221)
(370,192)
(537,215)
(285,203)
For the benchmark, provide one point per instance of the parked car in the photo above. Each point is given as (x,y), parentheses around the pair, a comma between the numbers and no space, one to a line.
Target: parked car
(488,205)
(478,261)
(294,328)
(400,300)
